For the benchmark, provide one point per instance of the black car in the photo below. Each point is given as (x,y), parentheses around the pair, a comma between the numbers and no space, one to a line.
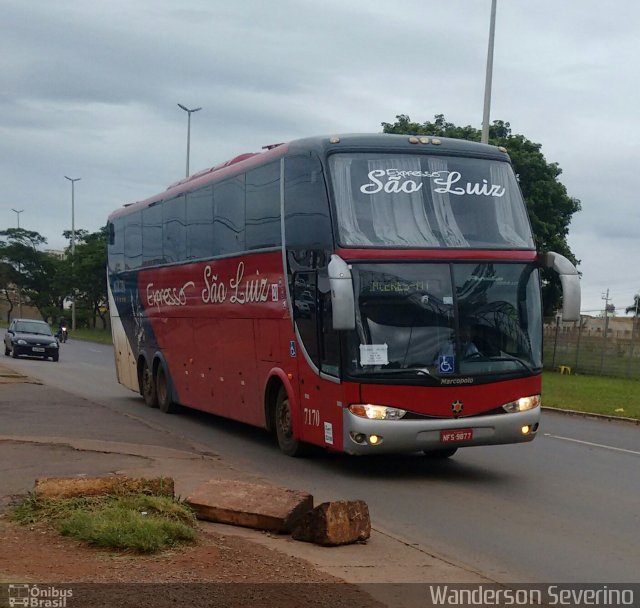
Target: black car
(32,338)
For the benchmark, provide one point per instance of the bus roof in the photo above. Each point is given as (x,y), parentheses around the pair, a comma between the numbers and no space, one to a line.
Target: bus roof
(323,145)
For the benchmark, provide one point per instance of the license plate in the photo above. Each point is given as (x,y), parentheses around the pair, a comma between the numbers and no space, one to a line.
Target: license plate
(37,349)
(456,435)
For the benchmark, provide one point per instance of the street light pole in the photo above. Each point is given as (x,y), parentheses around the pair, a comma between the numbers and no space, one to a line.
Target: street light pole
(18,212)
(189,112)
(489,76)
(73,247)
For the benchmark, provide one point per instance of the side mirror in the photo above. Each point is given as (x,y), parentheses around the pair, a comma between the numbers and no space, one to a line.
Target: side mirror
(570,281)
(342,298)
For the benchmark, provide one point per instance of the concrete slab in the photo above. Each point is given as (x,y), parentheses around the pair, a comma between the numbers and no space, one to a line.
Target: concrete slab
(250,505)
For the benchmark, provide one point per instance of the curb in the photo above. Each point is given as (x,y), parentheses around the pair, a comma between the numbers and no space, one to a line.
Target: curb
(635,421)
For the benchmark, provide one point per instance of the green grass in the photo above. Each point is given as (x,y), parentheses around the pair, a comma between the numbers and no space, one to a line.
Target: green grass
(593,394)
(91,335)
(135,522)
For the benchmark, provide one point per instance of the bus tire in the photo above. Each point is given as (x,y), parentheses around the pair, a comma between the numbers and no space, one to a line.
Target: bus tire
(440,454)
(289,444)
(148,388)
(163,392)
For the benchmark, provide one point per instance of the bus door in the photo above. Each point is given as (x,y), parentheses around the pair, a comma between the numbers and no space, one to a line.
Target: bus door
(319,390)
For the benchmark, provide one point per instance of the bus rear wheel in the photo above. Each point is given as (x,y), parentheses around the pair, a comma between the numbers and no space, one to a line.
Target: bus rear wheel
(440,454)
(288,442)
(148,386)
(163,393)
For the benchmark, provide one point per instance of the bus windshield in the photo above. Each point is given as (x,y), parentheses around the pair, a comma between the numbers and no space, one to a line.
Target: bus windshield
(403,200)
(438,320)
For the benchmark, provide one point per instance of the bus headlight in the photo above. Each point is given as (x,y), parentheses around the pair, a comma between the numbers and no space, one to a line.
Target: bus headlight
(376,412)
(522,405)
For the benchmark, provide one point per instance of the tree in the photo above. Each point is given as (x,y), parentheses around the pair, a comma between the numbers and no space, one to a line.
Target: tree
(31,270)
(90,273)
(550,207)
(635,307)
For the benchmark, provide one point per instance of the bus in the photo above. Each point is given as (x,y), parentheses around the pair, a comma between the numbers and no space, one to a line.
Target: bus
(365,293)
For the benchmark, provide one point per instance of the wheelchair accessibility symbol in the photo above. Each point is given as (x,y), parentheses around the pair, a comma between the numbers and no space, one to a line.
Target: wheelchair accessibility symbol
(446,364)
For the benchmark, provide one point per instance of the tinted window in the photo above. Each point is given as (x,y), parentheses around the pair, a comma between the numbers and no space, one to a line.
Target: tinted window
(404,200)
(133,240)
(174,230)
(152,235)
(116,245)
(200,223)
(263,207)
(305,312)
(306,208)
(228,227)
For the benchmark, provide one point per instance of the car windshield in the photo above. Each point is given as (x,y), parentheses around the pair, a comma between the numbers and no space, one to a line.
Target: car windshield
(440,320)
(427,201)
(33,327)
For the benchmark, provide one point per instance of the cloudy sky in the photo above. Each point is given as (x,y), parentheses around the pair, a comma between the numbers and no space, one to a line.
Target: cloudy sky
(90,90)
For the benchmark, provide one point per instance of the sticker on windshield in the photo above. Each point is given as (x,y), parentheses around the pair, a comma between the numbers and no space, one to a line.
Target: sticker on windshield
(446,364)
(449,182)
(373,354)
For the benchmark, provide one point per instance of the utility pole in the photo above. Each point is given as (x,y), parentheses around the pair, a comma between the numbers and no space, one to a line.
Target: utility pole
(605,297)
(18,212)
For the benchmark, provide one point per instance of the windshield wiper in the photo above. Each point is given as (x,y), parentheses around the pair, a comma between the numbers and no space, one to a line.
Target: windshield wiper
(404,371)
(515,360)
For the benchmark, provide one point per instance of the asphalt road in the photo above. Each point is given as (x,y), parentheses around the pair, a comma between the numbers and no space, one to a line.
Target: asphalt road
(564,508)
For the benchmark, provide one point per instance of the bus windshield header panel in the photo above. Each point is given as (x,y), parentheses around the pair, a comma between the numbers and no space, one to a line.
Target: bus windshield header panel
(428,201)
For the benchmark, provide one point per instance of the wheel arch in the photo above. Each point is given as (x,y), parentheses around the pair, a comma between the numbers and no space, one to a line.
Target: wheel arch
(142,359)
(278,379)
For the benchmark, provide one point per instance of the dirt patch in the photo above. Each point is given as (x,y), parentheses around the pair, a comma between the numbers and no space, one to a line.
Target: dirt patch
(38,554)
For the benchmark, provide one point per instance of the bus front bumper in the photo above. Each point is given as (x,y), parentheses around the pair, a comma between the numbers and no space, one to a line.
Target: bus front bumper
(364,436)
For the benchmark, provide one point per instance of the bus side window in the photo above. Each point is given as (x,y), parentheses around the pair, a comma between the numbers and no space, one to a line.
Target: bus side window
(116,245)
(306,206)
(174,243)
(263,207)
(305,313)
(133,241)
(152,235)
(330,339)
(228,227)
(200,223)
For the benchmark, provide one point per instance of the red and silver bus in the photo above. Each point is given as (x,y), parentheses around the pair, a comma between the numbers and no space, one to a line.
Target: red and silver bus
(362,293)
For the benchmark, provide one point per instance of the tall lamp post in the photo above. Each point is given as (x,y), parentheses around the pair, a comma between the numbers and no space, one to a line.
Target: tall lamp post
(73,246)
(18,212)
(489,76)
(189,112)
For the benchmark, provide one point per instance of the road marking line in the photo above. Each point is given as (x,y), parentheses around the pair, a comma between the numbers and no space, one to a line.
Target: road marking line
(595,445)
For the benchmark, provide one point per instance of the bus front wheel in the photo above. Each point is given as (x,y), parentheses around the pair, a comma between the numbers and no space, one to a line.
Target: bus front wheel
(289,444)
(163,392)
(149,392)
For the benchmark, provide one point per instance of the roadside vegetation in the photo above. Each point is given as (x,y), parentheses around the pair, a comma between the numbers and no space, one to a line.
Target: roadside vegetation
(103,336)
(592,394)
(139,523)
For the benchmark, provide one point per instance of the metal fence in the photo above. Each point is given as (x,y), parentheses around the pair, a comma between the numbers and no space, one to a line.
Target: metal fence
(600,351)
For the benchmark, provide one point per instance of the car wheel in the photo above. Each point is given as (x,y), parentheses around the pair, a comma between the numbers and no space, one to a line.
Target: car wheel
(55,357)
(148,387)
(440,454)
(163,392)
(7,352)
(288,442)
(14,354)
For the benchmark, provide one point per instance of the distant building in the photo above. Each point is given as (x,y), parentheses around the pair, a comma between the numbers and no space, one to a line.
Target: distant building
(56,253)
